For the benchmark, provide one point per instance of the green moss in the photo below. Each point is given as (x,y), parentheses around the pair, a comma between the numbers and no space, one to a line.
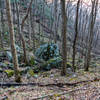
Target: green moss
(9,72)
(69,65)
(31,72)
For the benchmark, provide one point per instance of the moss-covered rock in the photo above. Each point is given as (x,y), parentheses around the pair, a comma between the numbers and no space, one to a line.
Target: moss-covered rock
(54,63)
(9,72)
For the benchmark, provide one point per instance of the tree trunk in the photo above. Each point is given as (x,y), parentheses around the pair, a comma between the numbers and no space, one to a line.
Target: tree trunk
(91,34)
(76,36)
(12,41)
(64,24)
(21,35)
(55,20)
(2,25)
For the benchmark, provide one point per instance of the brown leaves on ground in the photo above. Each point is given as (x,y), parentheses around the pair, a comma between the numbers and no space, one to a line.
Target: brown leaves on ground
(84,91)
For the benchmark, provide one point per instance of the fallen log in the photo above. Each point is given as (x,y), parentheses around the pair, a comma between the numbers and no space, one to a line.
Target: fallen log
(47,85)
(61,93)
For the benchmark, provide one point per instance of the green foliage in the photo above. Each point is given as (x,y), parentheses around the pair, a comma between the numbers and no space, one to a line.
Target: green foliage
(32,61)
(69,65)
(47,51)
(9,72)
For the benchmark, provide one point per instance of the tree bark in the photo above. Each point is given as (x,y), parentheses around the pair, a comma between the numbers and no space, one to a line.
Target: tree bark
(91,34)
(64,41)
(12,41)
(76,36)
(21,35)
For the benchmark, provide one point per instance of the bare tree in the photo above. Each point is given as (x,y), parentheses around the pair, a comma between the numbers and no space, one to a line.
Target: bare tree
(2,24)
(91,33)
(76,35)
(55,19)
(12,41)
(64,41)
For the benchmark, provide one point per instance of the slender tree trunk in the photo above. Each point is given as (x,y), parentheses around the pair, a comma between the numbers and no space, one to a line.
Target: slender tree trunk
(32,27)
(76,36)
(91,34)
(21,35)
(12,41)
(64,42)
(55,20)
(2,25)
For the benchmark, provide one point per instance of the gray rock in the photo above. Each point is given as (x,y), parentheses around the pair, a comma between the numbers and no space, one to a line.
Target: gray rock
(74,75)
(9,56)
(52,75)
(69,71)
(35,76)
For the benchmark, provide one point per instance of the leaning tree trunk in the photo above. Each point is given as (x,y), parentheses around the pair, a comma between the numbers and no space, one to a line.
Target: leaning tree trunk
(64,24)
(12,41)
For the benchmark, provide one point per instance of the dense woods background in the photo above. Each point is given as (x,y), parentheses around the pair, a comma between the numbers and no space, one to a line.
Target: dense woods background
(50,43)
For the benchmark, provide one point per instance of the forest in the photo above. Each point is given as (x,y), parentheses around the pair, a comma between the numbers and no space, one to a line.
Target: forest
(49,49)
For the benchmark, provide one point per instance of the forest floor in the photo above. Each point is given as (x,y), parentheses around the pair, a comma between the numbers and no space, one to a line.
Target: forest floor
(84,90)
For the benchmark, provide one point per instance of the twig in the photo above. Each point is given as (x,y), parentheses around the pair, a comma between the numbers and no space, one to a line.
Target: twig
(26,16)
